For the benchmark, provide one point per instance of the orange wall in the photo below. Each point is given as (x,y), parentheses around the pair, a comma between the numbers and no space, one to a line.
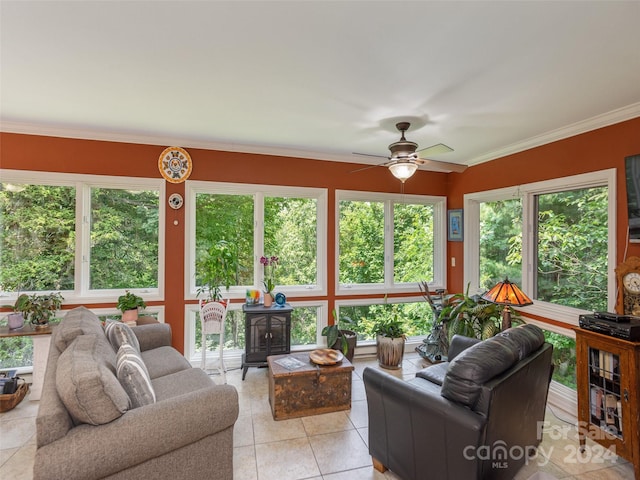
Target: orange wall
(596,150)
(30,152)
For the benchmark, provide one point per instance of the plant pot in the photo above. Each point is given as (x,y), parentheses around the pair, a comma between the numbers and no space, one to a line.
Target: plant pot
(130,316)
(40,325)
(390,352)
(352,340)
(15,321)
(268,300)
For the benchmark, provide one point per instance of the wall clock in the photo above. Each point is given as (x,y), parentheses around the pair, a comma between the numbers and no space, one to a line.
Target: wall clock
(628,280)
(175,164)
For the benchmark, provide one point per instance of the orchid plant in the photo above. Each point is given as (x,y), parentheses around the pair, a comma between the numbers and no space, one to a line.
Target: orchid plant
(270,264)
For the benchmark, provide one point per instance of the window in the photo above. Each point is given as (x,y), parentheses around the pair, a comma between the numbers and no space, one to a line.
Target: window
(86,236)
(559,246)
(389,241)
(257,220)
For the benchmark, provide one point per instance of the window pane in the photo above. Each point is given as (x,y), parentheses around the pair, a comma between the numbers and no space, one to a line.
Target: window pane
(290,233)
(124,239)
(500,242)
(16,351)
(564,358)
(412,243)
(37,237)
(304,325)
(361,242)
(417,318)
(572,235)
(228,218)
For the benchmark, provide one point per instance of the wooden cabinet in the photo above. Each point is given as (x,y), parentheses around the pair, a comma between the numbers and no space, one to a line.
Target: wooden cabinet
(267,332)
(609,393)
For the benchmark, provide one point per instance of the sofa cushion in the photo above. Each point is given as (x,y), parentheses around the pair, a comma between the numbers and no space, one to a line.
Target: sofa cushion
(118,333)
(180,382)
(475,365)
(134,377)
(78,321)
(163,361)
(86,382)
(434,373)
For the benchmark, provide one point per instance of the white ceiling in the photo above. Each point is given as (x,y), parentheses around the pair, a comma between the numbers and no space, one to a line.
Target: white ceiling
(320,79)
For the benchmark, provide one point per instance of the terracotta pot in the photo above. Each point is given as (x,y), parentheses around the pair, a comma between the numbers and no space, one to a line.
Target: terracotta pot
(390,352)
(130,316)
(268,300)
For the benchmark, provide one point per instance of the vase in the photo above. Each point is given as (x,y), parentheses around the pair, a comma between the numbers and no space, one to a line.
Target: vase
(130,316)
(15,321)
(390,352)
(268,300)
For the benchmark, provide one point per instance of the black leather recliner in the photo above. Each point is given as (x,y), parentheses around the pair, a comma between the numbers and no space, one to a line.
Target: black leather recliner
(477,416)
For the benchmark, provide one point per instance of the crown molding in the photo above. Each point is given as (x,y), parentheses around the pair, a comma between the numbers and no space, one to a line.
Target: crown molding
(594,123)
(599,121)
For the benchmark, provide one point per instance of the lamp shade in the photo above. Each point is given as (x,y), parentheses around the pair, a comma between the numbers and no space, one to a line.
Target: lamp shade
(403,170)
(507,293)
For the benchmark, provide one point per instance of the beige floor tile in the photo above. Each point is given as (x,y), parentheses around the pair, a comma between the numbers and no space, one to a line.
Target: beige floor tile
(327,423)
(358,414)
(243,431)
(365,473)
(364,434)
(20,465)
(618,472)
(16,432)
(24,409)
(266,429)
(357,390)
(6,454)
(244,463)
(341,451)
(275,460)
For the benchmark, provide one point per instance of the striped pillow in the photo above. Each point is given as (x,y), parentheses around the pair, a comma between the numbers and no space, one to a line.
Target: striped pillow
(119,333)
(134,376)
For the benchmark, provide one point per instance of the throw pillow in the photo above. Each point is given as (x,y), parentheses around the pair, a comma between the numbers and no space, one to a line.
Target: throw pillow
(134,376)
(78,321)
(119,333)
(86,384)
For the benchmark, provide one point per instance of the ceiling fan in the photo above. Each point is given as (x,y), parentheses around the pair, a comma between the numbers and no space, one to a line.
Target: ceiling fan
(404,160)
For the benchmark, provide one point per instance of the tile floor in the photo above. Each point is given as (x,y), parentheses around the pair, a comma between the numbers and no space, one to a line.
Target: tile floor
(313,447)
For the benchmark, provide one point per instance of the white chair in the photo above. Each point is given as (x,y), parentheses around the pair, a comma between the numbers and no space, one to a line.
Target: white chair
(212,317)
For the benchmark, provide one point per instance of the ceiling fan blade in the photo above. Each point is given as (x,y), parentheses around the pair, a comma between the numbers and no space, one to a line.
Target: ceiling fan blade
(368,167)
(436,149)
(369,155)
(438,166)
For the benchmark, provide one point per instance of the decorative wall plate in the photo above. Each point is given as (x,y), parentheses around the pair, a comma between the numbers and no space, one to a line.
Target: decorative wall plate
(175,164)
(175,201)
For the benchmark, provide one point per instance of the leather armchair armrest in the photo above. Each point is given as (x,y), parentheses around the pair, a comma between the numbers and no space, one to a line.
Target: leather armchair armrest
(460,343)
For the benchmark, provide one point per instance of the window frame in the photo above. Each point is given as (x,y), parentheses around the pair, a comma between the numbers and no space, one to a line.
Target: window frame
(258,192)
(82,293)
(439,204)
(528,192)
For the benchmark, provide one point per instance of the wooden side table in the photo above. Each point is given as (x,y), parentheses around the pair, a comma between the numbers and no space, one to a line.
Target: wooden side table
(41,343)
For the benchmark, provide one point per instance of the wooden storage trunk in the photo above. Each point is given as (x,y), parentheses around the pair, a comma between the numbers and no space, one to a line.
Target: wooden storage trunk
(308,390)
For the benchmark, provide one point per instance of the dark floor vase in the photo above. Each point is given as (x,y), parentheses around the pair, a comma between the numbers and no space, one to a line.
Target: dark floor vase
(390,352)
(352,339)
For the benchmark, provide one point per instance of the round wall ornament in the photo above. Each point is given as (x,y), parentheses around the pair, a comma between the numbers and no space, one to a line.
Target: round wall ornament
(175,164)
(176,201)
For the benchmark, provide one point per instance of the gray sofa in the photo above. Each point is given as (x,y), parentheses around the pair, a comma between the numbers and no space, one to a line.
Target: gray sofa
(111,411)
(477,416)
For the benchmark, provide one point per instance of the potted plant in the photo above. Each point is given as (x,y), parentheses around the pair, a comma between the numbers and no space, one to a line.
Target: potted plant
(269,283)
(390,337)
(128,304)
(340,339)
(39,309)
(217,268)
(15,320)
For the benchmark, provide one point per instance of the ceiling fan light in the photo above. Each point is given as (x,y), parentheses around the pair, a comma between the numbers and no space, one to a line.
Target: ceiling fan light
(403,170)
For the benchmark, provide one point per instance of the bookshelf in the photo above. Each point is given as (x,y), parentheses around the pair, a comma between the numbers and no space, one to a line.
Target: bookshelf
(608,393)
